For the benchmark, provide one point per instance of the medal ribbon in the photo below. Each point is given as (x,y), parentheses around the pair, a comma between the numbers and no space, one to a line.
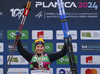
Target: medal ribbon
(39,62)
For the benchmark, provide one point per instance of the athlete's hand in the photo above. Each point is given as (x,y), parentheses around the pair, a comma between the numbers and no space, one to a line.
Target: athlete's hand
(70,37)
(18,34)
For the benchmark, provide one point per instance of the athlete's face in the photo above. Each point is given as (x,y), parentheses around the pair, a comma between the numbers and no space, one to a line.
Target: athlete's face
(39,48)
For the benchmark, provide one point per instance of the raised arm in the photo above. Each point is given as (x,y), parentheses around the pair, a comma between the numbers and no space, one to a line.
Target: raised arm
(27,55)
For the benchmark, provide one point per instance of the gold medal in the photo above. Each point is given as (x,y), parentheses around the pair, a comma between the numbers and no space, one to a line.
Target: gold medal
(39,67)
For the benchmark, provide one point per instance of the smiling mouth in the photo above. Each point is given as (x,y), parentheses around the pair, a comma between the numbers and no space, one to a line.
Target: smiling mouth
(39,50)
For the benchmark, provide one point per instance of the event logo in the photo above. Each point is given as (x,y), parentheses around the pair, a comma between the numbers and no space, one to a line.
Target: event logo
(10,45)
(17,60)
(1,47)
(62,71)
(39,15)
(45,34)
(84,46)
(48,47)
(86,34)
(90,34)
(59,46)
(43,59)
(54,4)
(91,71)
(59,34)
(89,59)
(67,5)
(18,71)
(11,34)
(65,60)
(40,34)
(17,12)
(91,47)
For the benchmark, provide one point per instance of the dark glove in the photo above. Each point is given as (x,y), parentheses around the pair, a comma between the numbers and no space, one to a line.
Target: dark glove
(17,35)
